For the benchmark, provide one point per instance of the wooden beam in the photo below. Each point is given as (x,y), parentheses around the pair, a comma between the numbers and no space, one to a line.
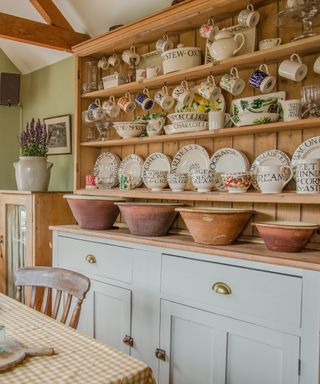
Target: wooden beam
(32,32)
(51,13)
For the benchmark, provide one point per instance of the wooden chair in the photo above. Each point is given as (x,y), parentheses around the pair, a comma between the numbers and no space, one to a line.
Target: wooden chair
(63,281)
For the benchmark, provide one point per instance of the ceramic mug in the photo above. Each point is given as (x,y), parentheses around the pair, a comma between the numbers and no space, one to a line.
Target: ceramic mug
(144,100)
(293,68)
(164,44)
(126,104)
(232,83)
(111,108)
(291,109)
(269,43)
(91,182)
(125,182)
(218,120)
(262,80)
(114,60)
(307,173)
(203,180)
(208,30)
(249,17)
(273,178)
(163,98)
(316,66)
(103,63)
(152,71)
(182,94)
(94,105)
(155,126)
(208,89)
(141,74)
(130,55)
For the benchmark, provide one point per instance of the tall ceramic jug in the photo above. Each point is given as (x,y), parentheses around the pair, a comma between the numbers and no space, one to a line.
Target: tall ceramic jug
(225,45)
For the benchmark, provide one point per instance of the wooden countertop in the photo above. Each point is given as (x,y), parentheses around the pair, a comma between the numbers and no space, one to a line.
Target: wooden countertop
(308,259)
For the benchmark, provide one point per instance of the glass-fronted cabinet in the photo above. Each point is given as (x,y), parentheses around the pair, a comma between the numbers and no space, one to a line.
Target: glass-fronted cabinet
(25,238)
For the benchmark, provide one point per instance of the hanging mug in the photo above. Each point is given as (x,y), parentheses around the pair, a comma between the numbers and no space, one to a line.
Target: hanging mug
(163,98)
(232,83)
(262,80)
(114,60)
(208,30)
(164,44)
(273,178)
(111,108)
(182,94)
(126,104)
(144,100)
(130,55)
(208,89)
(293,68)
(103,63)
(94,105)
(249,17)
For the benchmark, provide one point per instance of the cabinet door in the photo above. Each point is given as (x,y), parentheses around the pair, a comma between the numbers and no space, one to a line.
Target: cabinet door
(205,348)
(106,314)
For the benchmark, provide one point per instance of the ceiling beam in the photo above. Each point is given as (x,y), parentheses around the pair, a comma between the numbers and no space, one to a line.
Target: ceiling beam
(51,13)
(33,32)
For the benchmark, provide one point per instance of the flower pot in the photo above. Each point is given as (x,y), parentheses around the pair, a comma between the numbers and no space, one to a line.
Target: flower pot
(32,173)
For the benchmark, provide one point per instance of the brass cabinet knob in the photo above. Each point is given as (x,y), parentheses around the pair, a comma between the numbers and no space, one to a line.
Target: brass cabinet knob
(221,288)
(128,340)
(160,354)
(91,259)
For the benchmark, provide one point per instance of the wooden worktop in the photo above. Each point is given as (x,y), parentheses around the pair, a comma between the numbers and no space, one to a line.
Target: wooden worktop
(308,259)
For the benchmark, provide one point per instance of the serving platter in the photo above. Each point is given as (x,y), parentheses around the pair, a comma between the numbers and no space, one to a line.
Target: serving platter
(131,166)
(269,157)
(227,160)
(106,170)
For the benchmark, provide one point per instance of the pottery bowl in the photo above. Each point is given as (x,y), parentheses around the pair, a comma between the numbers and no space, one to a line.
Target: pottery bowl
(203,180)
(148,219)
(256,104)
(286,236)
(93,212)
(156,180)
(177,181)
(129,129)
(237,182)
(187,116)
(250,118)
(215,226)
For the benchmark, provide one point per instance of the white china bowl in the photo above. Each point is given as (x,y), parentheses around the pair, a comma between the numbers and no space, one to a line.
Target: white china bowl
(156,180)
(187,116)
(180,58)
(129,129)
(177,181)
(256,104)
(203,180)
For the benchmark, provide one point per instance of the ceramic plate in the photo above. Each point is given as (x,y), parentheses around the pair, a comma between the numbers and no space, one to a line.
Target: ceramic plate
(156,161)
(309,149)
(189,158)
(106,169)
(131,166)
(270,157)
(227,160)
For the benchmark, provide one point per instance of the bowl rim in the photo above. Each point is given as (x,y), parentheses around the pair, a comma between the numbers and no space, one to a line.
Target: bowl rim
(90,197)
(287,224)
(214,210)
(141,204)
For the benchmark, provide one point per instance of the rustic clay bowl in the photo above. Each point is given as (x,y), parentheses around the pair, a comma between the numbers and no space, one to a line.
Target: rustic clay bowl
(93,212)
(148,219)
(215,226)
(286,236)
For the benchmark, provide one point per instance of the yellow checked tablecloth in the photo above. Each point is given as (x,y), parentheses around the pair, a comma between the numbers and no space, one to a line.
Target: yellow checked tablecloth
(78,358)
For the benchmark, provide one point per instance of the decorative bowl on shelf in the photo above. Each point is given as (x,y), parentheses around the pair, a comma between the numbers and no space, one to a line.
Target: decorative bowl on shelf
(148,219)
(236,182)
(250,118)
(130,129)
(94,212)
(257,104)
(187,116)
(180,58)
(286,236)
(215,226)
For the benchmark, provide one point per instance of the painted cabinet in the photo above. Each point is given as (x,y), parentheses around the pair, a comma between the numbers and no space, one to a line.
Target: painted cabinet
(196,318)
(204,348)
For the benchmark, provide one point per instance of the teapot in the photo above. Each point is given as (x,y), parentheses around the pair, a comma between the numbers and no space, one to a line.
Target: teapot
(225,45)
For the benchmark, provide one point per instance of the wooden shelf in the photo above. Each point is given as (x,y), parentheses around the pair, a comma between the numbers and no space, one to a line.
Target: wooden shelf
(236,131)
(307,259)
(181,17)
(290,197)
(250,60)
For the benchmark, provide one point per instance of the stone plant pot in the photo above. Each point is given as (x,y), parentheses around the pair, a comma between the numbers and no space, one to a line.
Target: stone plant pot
(32,173)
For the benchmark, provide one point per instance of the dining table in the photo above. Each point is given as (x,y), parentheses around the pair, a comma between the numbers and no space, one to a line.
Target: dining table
(77,358)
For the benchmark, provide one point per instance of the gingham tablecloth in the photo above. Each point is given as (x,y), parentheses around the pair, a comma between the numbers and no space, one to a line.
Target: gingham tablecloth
(78,359)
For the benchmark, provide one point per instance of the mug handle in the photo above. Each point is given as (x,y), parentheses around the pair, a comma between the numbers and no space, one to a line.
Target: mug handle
(286,167)
(250,7)
(97,101)
(211,80)
(133,49)
(264,67)
(227,118)
(128,95)
(236,36)
(185,85)
(234,72)
(165,89)
(165,37)
(112,99)
(297,57)
(146,91)
(279,41)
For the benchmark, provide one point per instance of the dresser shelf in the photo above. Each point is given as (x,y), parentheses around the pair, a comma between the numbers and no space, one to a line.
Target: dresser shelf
(250,60)
(290,197)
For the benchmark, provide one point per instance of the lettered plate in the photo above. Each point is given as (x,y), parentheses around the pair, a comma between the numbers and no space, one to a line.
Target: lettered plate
(131,166)
(106,170)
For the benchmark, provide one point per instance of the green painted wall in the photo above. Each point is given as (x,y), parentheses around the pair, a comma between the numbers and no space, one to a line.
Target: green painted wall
(49,92)
(9,131)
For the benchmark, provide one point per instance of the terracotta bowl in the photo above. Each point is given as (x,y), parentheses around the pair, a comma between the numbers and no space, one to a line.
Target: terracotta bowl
(93,212)
(148,219)
(286,236)
(215,226)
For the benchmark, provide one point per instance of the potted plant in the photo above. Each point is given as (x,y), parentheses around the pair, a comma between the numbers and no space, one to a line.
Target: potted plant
(33,170)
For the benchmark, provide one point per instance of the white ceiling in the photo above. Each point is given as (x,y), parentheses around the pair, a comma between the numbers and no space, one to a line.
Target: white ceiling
(92,17)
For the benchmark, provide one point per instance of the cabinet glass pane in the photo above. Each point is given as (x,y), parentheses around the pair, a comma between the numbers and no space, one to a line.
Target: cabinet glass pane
(16,226)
